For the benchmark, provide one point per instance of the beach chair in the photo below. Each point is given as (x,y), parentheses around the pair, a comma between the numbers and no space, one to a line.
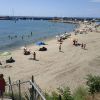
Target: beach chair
(27,53)
(43,49)
(10,60)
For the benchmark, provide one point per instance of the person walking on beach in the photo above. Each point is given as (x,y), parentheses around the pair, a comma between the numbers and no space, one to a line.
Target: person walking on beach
(84,46)
(34,56)
(2,86)
(60,48)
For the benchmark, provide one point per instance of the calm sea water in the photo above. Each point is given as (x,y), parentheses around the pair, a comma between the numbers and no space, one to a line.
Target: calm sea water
(20,32)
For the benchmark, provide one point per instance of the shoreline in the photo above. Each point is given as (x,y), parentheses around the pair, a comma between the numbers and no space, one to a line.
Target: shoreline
(58,69)
(13,42)
(42,39)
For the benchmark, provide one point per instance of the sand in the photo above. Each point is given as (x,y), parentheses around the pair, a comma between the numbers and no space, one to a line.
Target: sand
(55,69)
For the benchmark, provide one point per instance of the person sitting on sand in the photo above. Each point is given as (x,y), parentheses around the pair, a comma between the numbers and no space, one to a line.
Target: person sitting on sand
(2,86)
(11,58)
(26,52)
(61,40)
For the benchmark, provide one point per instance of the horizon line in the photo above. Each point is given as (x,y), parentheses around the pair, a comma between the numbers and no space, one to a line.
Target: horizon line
(48,16)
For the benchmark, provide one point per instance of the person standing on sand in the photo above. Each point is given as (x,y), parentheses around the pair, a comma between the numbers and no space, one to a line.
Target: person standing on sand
(34,56)
(2,86)
(60,48)
(84,46)
(74,42)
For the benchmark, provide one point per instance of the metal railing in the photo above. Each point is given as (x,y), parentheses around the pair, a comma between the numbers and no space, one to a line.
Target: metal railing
(36,92)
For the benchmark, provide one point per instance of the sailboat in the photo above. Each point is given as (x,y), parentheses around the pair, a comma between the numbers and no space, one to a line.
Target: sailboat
(14,18)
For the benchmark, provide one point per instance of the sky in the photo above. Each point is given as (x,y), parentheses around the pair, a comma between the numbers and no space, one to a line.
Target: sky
(50,8)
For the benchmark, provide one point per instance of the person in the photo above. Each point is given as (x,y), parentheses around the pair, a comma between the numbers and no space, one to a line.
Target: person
(0,63)
(82,45)
(31,33)
(60,40)
(2,86)
(60,48)
(34,56)
(22,37)
(15,36)
(74,42)
(9,37)
(10,58)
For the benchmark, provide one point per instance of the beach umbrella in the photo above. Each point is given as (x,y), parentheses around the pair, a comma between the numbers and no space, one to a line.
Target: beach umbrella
(40,43)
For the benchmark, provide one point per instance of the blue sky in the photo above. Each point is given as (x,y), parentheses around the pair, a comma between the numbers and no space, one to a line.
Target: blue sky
(63,8)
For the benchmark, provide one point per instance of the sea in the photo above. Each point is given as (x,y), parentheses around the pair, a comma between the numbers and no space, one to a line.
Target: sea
(14,34)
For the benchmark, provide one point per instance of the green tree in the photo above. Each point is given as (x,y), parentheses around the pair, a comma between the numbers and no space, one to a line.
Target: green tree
(93,83)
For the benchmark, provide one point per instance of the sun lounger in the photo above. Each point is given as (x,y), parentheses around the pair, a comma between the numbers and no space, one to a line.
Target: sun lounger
(11,60)
(43,49)
(27,53)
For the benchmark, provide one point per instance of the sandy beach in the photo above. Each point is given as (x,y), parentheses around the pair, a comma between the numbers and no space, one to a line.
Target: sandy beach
(55,69)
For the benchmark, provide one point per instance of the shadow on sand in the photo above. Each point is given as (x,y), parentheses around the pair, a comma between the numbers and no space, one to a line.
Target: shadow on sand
(33,59)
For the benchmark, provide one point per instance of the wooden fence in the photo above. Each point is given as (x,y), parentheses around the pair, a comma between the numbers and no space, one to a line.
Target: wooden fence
(35,93)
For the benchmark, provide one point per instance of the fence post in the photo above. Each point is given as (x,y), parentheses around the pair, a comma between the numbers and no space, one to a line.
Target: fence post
(11,88)
(9,85)
(19,91)
(60,97)
(32,88)
(35,93)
